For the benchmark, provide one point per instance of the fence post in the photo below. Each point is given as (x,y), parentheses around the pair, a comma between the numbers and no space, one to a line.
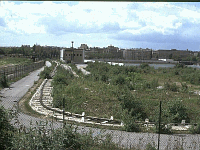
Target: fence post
(159,125)
(20,70)
(63,112)
(4,71)
(0,73)
(23,69)
(31,68)
(9,73)
(17,68)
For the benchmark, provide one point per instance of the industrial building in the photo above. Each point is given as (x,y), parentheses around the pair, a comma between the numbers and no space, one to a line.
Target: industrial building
(72,55)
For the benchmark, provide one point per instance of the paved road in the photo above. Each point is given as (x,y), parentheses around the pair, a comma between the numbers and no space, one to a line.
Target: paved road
(19,88)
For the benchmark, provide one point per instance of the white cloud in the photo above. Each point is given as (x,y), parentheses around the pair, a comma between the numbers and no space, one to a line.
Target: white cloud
(100,20)
(190,15)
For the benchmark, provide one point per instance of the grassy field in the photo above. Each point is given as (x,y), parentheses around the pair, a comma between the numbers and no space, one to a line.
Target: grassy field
(131,93)
(13,60)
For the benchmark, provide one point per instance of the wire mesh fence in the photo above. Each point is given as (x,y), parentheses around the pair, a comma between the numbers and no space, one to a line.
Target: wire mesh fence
(127,140)
(16,71)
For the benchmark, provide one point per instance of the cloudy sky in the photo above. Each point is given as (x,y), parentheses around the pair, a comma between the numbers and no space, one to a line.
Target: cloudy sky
(122,24)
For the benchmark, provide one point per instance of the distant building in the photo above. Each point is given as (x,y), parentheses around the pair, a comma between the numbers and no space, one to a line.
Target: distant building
(155,54)
(137,54)
(114,51)
(26,46)
(173,53)
(83,46)
(72,55)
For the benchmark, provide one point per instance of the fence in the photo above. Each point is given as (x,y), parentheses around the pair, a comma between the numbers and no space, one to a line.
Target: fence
(127,140)
(16,71)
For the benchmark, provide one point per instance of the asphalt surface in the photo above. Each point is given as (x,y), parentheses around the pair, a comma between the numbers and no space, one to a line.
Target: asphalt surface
(126,139)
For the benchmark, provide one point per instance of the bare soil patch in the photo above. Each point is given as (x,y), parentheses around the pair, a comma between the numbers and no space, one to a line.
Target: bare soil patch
(26,98)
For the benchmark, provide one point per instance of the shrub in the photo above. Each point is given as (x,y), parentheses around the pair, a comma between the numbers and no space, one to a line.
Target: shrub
(39,138)
(171,87)
(179,65)
(184,87)
(104,78)
(144,65)
(119,80)
(150,147)
(45,74)
(154,83)
(68,138)
(150,85)
(133,106)
(176,72)
(195,129)
(3,81)
(177,111)
(164,129)
(129,122)
(6,130)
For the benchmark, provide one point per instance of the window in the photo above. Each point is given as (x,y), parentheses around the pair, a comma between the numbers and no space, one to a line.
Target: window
(80,54)
(69,54)
(66,54)
(74,54)
(77,54)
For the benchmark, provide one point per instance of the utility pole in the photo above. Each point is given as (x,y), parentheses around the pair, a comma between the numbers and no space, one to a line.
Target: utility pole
(159,125)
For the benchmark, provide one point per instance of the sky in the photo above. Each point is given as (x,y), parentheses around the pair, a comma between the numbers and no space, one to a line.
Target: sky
(156,25)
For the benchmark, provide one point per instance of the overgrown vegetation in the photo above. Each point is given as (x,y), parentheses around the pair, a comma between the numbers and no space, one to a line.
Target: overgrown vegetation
(131,93)
(46,73)
(44,136)
(3,81)
(195,129)
(15,61)
(6,129)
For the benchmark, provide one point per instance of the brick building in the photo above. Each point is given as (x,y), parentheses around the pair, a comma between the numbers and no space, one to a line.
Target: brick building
(173,53)
(137,54)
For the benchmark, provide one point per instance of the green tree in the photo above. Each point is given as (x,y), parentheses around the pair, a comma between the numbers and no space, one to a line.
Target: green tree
(2,51)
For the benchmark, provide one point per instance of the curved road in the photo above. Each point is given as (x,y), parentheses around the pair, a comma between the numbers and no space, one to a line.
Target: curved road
(127,139)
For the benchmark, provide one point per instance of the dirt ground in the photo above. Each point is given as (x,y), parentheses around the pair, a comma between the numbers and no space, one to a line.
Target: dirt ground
(27,97)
